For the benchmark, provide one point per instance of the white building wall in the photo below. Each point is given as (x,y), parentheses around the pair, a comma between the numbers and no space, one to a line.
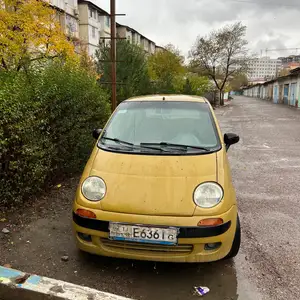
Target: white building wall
(94,25)
(71,7)
(129,36)
(70,15)
(152,47)
(263,67)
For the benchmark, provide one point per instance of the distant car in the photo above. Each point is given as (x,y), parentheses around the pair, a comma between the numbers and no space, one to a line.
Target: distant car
(158,185)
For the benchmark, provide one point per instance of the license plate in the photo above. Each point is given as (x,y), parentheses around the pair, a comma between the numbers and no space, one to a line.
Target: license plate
(143,234)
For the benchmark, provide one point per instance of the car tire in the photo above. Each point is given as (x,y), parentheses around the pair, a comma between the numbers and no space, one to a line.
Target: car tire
(236,242)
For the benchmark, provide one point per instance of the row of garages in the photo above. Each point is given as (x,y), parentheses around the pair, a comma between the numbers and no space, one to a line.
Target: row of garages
(282,90)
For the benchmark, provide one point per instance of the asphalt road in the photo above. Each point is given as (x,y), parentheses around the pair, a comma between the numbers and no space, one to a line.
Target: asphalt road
(265,167)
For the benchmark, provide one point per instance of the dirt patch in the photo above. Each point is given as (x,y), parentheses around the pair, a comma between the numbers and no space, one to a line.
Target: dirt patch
(37,212)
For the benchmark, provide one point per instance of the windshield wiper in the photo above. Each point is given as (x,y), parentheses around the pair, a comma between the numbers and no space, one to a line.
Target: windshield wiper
(118,141)
(176,145)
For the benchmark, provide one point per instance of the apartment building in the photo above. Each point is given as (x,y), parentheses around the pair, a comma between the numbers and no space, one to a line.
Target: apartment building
(89,22)
(135,37)
(263,68)
(68,16)
(94,24)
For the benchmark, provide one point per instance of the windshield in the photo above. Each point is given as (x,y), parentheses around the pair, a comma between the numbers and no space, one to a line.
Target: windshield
(150,126)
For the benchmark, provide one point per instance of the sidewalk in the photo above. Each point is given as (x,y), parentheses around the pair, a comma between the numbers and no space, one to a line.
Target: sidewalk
(16,285)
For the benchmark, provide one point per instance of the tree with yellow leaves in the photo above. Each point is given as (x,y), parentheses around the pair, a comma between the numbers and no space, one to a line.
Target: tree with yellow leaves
(164,66)
(30,31)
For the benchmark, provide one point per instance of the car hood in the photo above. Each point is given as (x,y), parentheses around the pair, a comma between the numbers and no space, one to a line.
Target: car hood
(152,184)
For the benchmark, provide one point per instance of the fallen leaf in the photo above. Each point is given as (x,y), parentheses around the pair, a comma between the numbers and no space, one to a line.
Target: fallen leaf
(21,279)
(7,266)
(2,220)
(58,186)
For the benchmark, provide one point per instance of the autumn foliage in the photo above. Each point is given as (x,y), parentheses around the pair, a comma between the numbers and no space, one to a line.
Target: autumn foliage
(30,31)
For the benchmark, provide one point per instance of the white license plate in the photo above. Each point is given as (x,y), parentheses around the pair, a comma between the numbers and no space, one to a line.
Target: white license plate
(143,234)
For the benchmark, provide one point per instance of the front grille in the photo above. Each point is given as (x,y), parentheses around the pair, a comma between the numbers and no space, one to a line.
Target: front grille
(133,246)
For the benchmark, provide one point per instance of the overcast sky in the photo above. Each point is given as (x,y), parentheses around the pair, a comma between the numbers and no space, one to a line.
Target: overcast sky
(272,24)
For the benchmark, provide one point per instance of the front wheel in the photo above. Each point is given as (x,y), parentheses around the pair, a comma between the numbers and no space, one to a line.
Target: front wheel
(236,242)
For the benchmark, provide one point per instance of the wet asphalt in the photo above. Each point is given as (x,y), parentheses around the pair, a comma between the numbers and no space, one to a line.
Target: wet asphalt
(265,168)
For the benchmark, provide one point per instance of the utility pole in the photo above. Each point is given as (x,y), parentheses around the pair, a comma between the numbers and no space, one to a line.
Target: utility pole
(113,54)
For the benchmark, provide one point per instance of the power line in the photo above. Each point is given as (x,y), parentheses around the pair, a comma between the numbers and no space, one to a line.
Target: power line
(265,3)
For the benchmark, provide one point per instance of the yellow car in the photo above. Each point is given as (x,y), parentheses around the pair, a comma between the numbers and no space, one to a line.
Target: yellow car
(158,186)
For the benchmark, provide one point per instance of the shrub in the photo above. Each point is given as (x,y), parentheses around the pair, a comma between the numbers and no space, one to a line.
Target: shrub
(23,163)
(46,118)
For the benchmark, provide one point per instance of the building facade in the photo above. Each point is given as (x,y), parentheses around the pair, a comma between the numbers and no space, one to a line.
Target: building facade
(282,90)
(94,25)
(68,16)
(263,68)
(135,37)
(91,24)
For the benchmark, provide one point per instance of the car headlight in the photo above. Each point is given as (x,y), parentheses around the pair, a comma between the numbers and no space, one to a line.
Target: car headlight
(93,188)
(208,194)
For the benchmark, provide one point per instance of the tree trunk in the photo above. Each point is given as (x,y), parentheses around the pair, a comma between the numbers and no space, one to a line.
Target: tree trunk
(221,98)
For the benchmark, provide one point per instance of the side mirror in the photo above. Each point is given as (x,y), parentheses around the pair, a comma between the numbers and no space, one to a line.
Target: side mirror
(230,139)
(96,133)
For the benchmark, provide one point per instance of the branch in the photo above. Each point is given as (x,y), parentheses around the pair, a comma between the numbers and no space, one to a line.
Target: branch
(227,69)
(43,56)
(4,65)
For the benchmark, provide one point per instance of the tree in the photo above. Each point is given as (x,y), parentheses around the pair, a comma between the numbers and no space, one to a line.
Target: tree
(221,54)
(237,81)
(188,90)
(29,32)
(284,72)
(192,84)
(132,73)
(200,84)
(164,66)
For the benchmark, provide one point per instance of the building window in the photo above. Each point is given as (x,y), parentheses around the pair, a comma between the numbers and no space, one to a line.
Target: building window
(107,21)
(99,17)
(93,32)
(91,12)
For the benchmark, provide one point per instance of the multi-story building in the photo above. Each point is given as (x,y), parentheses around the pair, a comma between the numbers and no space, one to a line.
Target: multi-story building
(94,24)
(135,37)
(263,68)
(67,15)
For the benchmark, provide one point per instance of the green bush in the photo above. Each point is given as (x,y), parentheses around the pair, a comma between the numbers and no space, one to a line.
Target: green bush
(46,119)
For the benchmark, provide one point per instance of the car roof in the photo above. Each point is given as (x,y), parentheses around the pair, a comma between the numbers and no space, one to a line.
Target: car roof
(162,97)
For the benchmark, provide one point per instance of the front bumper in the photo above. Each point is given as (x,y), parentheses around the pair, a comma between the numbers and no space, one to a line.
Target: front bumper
(191,238)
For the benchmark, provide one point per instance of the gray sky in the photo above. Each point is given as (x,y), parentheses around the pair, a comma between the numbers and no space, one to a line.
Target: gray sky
(271,24)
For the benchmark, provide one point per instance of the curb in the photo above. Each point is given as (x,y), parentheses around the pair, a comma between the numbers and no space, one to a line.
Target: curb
(17,285)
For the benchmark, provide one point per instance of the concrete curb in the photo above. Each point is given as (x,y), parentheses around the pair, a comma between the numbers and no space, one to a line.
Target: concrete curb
(23,286)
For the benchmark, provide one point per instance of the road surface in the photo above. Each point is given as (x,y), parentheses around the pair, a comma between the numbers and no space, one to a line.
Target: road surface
(265,167)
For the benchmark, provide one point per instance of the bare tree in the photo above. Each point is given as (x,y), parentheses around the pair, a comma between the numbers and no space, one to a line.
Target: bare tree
(221,55)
